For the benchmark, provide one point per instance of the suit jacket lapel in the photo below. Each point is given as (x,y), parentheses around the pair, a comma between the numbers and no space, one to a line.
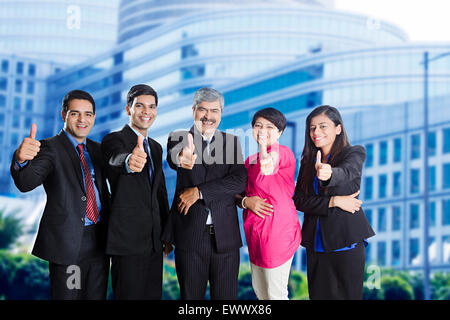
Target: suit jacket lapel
(157,164)
(70,150)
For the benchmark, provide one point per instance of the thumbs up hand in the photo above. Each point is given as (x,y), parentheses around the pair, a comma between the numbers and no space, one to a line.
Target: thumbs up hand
(138,157)
(323,169)
(187,156)
(29,147)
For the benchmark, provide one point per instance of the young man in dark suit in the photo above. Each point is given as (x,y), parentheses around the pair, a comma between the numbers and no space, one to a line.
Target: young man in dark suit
(139,205)
(203,223)
(72,230)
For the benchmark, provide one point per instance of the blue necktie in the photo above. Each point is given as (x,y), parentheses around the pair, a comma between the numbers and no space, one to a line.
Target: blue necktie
(150,171)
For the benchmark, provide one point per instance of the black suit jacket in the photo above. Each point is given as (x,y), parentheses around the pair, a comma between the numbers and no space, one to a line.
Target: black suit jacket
(338,228)
(57,166)
(138,208)
(218,181)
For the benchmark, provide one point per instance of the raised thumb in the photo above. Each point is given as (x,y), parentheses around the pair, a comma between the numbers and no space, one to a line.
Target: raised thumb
(141,142)
(33,131)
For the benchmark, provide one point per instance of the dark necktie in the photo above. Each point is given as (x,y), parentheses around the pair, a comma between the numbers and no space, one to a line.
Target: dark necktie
(149,161)
(91,206)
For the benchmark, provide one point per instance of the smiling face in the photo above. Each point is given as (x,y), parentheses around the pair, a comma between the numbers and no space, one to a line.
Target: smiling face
(264,130)
(207,116)
(142,113)
(323,132)
(79,119)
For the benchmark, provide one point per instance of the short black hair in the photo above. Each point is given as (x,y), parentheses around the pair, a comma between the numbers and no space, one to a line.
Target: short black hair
(77,94)
(273,115)
(139,90)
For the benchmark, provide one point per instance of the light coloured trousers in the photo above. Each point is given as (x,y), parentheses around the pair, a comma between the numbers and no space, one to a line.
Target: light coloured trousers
(271,283)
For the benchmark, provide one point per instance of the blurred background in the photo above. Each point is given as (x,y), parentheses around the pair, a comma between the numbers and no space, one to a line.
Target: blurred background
(391,84)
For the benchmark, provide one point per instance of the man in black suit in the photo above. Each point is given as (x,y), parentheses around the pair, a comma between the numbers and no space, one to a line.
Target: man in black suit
(139,203)
(203,223)
(72,231)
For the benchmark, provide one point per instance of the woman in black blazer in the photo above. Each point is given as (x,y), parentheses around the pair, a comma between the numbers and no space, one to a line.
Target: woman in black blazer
(335,227)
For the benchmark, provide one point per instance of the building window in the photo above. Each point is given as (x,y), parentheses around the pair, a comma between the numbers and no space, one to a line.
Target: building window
(432,143)
(31,70)
(2,119)
(415,146)
(383,156)
(369,155)
(381,253)
(14,139)
(5,66)
(2,101)
(397,184)
(446,212)
(381,219)
(396,254)
(445,176)
(432,178)
(414,258)
(18,87)
(432,214)
(16,121)
(382,185)
(446,249)
(19,67)
(397,150)
(414,216)
(368,213)
(368,190)
(396,218)
(30,87)
(17,103)
(415,181)
(446,142)
(29,105)
(3,83)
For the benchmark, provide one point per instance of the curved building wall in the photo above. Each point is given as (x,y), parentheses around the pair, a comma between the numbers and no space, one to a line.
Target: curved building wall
(58,31)
(139,16)
(215,50)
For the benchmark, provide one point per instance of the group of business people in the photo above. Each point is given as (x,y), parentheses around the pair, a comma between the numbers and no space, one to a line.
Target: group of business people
(107,206)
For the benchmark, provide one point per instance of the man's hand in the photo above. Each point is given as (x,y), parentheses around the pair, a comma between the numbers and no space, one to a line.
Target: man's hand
(29,147)
(187,198)
(323,169)
(187,156)
(348,203)
(258,206)
(138,157)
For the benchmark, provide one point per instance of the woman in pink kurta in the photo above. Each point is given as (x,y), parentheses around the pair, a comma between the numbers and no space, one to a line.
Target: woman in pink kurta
(271,224)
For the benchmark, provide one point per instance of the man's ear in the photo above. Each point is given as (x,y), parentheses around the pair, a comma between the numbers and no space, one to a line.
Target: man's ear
(127,108)
(63,116)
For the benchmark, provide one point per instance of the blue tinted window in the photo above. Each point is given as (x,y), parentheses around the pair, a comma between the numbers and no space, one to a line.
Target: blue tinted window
(432,143)
(414,217)
(369,155)
(383,156)
(3,84)
(446,212)
(432,178)
(19,68)
(415,181)
(415,146)
(397,184)
(445,176)
(396,218)
(446,142)
(396,253)
(368,188)
(397,150)
(5,66)
(382,185)
(381,219)
(31,70)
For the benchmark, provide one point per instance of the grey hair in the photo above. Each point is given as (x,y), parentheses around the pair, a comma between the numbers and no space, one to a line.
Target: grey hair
(208,95)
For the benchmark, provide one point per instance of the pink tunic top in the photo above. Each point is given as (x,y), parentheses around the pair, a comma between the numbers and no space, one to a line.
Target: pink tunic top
(272,241)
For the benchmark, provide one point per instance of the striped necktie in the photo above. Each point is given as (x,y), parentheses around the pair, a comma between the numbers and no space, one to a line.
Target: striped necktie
(91,206)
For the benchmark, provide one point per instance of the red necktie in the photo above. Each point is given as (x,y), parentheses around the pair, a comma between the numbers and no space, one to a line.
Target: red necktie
(91,206)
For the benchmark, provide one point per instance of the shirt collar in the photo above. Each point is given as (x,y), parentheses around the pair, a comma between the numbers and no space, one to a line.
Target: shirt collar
(73,141)
(137,132)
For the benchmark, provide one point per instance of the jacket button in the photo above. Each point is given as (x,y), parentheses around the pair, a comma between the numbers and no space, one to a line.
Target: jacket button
(83,198)
(82,219)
